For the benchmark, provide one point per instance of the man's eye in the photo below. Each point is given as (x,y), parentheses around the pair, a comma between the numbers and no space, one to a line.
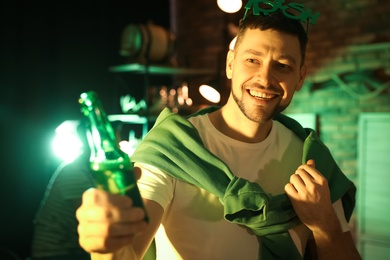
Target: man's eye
(252,61)
(283,66)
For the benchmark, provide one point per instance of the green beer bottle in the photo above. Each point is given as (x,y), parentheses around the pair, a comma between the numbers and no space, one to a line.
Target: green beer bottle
(111,167)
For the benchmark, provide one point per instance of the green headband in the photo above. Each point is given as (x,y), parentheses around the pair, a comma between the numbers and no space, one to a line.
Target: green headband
(304,15)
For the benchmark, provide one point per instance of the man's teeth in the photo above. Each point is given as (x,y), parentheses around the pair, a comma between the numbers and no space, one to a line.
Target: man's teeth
(260,94)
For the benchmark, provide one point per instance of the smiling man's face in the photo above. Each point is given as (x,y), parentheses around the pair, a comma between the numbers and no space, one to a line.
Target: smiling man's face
(266,70)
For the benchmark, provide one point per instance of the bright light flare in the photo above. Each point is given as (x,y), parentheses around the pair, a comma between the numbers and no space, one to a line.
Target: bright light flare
(66,144)
(229,6)
(210,93)
(128,146)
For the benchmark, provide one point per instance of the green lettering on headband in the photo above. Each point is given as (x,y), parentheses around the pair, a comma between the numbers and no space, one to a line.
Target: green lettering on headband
(303,15)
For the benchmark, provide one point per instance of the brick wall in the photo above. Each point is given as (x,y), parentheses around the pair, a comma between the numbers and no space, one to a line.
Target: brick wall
(350,38)
(202,39)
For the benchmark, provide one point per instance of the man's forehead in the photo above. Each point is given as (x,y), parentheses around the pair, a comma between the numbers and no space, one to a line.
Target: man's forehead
(271,36)
(256,39)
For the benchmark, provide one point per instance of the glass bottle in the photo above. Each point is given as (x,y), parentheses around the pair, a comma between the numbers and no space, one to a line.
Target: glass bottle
(111,167)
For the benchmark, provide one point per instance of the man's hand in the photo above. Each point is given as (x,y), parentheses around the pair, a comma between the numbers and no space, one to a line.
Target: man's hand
(309,193)
(310,196)
(108,222)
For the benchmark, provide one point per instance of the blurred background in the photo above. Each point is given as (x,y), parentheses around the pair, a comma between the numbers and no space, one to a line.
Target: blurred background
(50,52)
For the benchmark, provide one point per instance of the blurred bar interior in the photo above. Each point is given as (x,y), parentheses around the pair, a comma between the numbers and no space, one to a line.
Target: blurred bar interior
(143,56)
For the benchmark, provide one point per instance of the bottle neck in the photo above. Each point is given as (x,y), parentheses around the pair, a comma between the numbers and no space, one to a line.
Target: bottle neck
(101,137)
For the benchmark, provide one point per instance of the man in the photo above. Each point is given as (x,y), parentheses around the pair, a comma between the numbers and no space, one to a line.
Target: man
(183,182)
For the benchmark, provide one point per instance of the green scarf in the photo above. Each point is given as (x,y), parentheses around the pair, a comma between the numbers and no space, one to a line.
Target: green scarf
(174,146)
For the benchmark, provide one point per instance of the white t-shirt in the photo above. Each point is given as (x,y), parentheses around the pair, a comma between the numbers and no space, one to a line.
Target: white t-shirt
(193,226)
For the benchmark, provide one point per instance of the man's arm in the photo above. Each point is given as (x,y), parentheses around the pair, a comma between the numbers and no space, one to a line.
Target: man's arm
(110,228)
(310,196)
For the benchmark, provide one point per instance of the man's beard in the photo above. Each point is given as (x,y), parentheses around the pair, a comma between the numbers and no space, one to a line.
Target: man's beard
(261,114)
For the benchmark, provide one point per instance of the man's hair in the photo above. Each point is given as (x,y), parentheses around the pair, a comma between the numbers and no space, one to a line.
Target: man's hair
(274,21)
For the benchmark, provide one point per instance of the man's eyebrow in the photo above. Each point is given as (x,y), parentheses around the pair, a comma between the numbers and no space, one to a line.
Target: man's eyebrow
(282,56)
(288,57)
(254,52)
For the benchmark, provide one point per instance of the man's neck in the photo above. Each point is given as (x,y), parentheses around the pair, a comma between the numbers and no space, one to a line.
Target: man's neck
(238,127)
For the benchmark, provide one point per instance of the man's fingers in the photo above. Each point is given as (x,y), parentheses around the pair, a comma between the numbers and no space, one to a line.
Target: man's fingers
(95,197)
(290,190)
(297,181)
(305,176)
(111,215)
(311,171)
(99,229)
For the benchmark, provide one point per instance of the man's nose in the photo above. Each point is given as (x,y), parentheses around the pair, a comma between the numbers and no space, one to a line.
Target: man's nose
(264,75)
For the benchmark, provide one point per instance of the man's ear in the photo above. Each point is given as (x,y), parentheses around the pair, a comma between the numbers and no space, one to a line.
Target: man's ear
(302,77)
(229,64)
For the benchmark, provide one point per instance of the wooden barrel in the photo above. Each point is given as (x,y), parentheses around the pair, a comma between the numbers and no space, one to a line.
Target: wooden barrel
(147,43)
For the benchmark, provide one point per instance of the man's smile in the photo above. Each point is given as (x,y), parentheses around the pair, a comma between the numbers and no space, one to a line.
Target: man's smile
(262,94)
